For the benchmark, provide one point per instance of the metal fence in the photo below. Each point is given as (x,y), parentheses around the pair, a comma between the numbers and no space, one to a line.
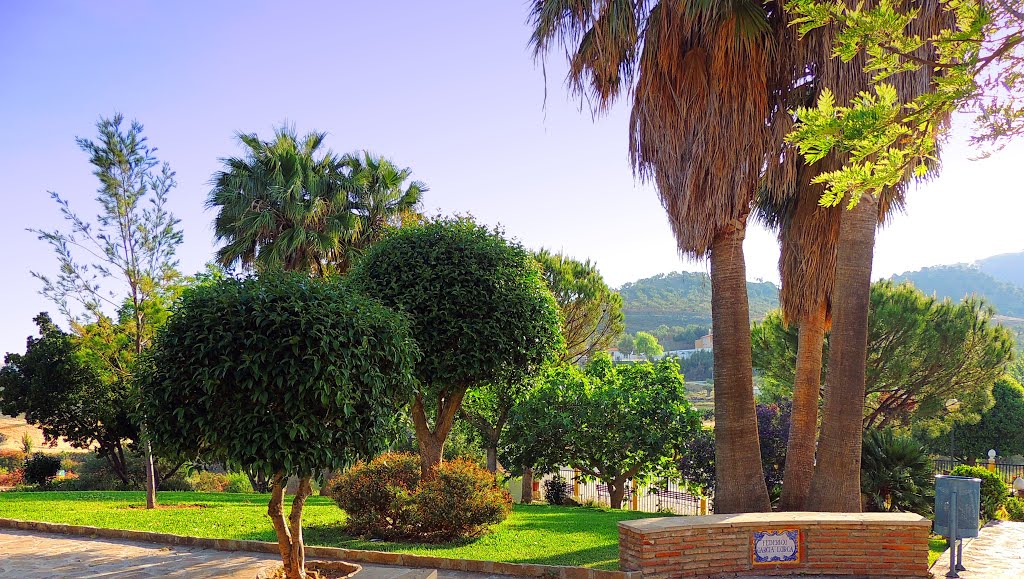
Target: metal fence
(664,496)
(1008,471)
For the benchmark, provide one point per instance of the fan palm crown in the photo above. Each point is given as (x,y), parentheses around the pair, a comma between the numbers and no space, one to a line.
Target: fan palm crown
(283,205)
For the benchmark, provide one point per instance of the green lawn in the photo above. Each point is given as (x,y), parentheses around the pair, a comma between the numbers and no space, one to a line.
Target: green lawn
(532,534)
(936,547)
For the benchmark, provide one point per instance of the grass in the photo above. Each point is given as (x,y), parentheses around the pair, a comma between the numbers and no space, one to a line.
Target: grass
(532,534)
(936,547)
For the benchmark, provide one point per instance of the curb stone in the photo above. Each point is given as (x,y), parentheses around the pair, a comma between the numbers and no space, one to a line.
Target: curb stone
(351,555)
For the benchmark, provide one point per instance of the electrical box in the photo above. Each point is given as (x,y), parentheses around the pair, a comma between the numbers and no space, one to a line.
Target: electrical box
(968,505)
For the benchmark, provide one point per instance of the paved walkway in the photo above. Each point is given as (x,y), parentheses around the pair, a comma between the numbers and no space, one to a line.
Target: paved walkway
(25,555)
(997,553)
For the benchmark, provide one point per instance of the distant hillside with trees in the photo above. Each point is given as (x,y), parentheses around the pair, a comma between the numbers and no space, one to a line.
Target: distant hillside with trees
(1007,267)
(958,281)
(682,301)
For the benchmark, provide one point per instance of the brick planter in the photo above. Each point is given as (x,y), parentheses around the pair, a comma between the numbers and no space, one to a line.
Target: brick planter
(857,544)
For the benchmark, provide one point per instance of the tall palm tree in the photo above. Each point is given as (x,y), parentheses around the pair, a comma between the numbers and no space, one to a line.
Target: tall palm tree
(284,205)
(380,197)
(808,235)
(835,484)
(708,79)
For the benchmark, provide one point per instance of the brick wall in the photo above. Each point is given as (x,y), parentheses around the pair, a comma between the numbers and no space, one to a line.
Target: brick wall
(860,544)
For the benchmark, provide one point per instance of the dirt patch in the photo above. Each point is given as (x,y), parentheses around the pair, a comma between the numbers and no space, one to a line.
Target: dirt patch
(316,570)
(15,428)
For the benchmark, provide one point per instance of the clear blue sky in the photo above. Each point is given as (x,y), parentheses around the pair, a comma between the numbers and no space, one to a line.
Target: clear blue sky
(448,89)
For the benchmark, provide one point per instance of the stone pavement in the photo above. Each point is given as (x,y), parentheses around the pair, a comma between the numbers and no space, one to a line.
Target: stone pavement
(25,555)
(997,553)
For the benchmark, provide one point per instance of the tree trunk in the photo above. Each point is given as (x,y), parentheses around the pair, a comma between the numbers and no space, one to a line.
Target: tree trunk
(150,466)
(492,459)
(527,486)
(739,478)
(616,490)
(835,485)
(289,533)
(431,441)
(803,427)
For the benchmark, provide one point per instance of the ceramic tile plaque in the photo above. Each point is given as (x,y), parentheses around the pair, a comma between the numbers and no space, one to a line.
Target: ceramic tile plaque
(776,546)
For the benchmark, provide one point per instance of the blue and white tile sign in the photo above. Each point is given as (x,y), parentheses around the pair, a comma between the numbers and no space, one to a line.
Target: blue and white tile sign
(778,546)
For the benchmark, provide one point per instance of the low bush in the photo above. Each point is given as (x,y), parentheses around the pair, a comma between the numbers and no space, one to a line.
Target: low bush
(377,495)
(461,500)
(1014,509)
(11,459)
(40,468)
(993,490)
(385,498)
(218,482)
(556,489)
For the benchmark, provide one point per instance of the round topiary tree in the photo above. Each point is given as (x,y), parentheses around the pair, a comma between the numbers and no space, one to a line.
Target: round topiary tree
(282,376)
(481,314)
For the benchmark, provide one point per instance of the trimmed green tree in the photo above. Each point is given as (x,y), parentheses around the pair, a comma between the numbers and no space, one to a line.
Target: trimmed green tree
(480,313)
(648,345)
(281,376)
(591,311)
(1001,427)
(612,423)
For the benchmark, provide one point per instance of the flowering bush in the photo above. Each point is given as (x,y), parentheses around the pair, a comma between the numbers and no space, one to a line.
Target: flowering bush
(377,494)
(460,501)
(13,478)
(11,459)
(386,498)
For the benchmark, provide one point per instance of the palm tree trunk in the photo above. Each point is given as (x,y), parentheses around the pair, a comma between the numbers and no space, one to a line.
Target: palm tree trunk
(835,485)
(739,478)
(803,427)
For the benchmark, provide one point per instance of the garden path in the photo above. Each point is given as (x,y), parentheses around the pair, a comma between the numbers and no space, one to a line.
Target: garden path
(25,555)
(997,553)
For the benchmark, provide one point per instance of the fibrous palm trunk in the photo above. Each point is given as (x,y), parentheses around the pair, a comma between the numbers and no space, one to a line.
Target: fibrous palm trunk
(835,485)
(739,479)
(803,427)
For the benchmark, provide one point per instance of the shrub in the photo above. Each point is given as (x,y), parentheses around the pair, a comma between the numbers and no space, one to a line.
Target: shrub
(896,473)
(11,459)
(386,498)
(1014,509)
(377,495)
(993,490)
(461,500)
(13,478)
(556,489)
(41,468)
(238,483)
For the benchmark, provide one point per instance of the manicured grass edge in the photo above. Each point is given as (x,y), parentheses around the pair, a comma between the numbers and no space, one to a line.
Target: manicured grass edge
(336,553)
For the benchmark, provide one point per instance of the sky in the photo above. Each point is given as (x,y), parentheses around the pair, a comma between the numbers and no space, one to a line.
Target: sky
(449,89)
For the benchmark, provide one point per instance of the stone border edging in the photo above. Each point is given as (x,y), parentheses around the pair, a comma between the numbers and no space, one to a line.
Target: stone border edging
(352,555)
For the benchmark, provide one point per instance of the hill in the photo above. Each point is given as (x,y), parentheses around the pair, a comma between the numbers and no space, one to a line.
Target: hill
(958,281)
(681,299)
(1007,267)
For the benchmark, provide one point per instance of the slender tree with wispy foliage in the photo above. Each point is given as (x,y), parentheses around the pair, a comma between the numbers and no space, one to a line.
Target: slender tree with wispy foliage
(125,257)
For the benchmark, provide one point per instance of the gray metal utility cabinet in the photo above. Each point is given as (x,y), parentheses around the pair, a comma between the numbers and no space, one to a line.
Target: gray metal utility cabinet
(957,508)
